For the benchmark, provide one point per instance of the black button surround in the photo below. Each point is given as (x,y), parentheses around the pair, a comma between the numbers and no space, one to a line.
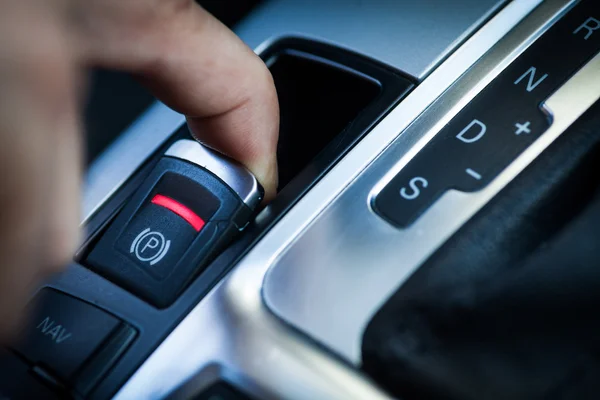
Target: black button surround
(498,125)
(189,252)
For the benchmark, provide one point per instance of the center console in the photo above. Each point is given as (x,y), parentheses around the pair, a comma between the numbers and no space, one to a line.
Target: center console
(401,123)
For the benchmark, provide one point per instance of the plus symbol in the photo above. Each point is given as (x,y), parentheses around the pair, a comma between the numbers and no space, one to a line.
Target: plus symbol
(523,128)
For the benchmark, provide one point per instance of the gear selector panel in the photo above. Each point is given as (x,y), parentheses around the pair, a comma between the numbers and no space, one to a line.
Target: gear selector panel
(503,120)
(190,206)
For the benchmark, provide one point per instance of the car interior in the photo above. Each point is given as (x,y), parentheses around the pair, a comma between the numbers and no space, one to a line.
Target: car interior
(435,235)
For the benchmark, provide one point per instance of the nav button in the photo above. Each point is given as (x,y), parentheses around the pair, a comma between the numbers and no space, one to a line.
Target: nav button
(63,333)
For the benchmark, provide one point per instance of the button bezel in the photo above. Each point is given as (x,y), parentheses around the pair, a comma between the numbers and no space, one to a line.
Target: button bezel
(238,178)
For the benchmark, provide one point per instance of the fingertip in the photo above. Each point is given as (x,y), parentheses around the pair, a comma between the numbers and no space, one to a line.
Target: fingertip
(226,91)
(270,181)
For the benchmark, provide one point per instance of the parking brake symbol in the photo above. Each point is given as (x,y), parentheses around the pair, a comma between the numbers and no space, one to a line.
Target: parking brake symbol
(150,246)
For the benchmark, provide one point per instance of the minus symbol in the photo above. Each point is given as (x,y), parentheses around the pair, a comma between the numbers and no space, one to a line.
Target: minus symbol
(473,174)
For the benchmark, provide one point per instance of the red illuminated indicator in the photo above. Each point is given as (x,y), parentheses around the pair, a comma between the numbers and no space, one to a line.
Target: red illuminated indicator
(173,205)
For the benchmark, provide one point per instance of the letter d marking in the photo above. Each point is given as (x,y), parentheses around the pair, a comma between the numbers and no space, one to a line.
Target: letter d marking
(463,137)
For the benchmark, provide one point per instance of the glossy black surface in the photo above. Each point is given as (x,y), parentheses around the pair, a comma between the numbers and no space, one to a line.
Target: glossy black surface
(317,102)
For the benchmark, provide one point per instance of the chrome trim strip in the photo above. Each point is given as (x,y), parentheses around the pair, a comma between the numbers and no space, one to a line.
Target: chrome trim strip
(238,178)
(232,331)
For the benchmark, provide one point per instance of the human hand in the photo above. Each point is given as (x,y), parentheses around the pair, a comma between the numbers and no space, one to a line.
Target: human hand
(187,58)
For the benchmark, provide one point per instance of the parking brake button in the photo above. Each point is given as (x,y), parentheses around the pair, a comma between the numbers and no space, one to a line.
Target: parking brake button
(187,210)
